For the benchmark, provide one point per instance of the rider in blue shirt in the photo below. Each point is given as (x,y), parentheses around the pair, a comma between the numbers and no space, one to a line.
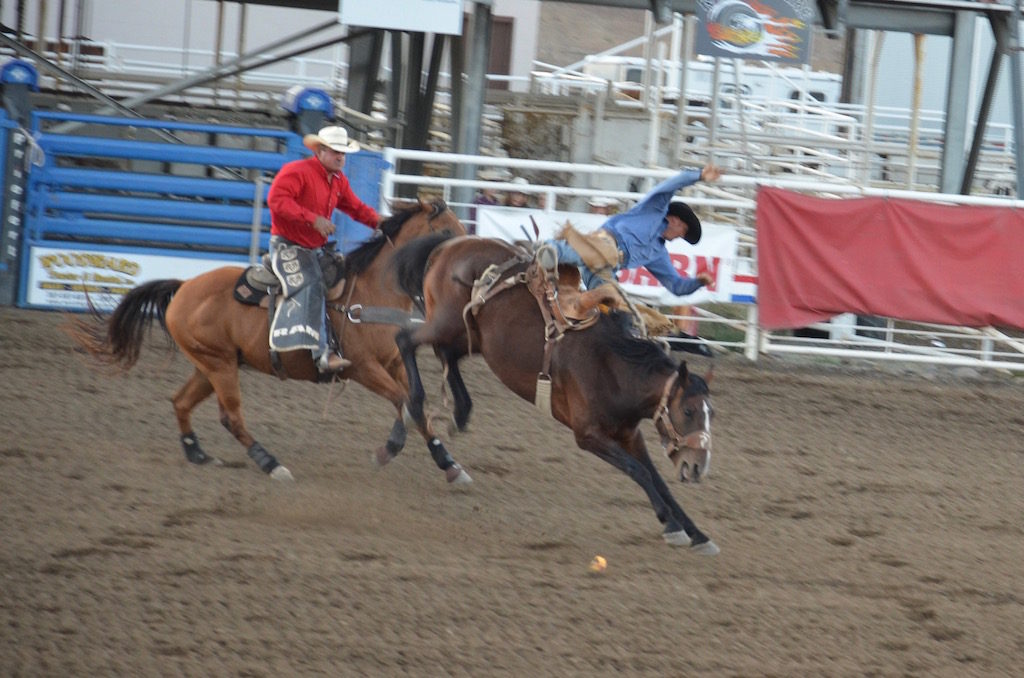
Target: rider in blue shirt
(641,232)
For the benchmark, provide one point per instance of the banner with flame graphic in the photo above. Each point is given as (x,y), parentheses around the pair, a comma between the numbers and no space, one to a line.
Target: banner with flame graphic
(773,30)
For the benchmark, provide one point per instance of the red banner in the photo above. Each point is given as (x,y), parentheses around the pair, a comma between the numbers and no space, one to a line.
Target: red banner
(955,265)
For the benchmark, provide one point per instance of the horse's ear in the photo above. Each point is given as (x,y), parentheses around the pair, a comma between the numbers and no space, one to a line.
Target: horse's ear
(684,373)
(710,375)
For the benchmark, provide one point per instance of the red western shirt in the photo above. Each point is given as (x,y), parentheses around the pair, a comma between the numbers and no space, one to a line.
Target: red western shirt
(301,192)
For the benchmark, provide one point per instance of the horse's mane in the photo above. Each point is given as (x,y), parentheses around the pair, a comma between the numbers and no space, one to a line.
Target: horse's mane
(359,259)
(410,263)
(614,330)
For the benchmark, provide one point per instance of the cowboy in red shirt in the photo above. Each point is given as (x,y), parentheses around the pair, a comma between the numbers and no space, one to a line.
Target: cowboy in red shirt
(302,197)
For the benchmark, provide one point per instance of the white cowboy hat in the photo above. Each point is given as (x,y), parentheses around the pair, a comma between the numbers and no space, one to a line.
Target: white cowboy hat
(333,137)
(494,175)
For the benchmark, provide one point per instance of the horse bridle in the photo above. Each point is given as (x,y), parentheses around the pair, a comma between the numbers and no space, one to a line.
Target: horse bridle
(672,440)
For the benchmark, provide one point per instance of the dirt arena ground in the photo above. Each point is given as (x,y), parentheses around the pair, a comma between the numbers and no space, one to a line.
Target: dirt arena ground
(870,520)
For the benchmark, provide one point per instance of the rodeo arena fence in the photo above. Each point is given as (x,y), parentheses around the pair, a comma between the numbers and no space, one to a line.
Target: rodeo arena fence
(95,205)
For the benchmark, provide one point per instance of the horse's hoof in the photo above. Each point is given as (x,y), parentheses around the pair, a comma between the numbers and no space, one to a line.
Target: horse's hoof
(204,459)
(382,457)
(708,548)
(679,538)
(281,473)
(455,475)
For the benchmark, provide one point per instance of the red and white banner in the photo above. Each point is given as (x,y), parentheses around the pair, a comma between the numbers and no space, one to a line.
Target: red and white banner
(949,264)
(714,254)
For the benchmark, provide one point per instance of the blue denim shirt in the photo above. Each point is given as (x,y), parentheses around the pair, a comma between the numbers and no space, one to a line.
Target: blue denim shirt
(640,234)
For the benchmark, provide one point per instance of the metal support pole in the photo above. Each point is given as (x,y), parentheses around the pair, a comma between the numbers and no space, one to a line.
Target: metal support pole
(958,99)
(689,27)
(471,107)
(257,221)
(1018,100)
(915,110)
(999,31)
(716,79)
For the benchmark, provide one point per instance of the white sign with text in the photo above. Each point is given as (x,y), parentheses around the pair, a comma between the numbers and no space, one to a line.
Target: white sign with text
(60,277)
(714,254)
(424,16)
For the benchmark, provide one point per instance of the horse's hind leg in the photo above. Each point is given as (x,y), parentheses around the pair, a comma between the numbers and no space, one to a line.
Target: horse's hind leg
(229,397)
(195,390)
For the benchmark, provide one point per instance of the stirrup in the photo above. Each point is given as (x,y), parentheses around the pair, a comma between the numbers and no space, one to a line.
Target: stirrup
(332,361)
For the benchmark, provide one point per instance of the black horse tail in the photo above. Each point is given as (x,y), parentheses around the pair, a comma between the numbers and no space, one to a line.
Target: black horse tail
(410,264)
(118,340)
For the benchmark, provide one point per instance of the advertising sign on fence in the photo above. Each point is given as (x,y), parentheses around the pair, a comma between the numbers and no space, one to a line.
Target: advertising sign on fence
(715,254)
(60,277)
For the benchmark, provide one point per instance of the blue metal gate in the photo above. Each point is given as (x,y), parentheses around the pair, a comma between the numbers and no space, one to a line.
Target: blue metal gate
(117,195)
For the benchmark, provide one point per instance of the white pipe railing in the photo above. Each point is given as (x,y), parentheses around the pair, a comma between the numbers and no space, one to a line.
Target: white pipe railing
(732,199)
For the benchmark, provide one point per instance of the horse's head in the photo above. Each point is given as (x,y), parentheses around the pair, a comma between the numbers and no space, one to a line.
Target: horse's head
(410,220)
(683,420)
(418,218)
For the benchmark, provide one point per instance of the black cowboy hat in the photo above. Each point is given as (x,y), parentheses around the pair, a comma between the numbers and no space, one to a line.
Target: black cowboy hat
(684,212)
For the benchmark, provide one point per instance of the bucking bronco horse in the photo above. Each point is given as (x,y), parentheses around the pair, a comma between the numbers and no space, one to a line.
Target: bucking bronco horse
(594,375)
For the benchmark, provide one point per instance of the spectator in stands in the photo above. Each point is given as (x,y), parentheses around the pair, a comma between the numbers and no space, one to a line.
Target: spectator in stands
(598,205)
(637,237)
(486,196)
(302,197)
(518,198)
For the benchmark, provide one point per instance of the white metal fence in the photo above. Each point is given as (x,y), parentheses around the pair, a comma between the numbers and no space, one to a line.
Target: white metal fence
(731,201)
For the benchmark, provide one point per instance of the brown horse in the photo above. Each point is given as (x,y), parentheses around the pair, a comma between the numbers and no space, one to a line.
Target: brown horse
(219,335)
(604,380)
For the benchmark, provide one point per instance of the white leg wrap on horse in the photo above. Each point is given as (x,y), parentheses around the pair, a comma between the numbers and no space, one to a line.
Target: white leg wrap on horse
(281,473)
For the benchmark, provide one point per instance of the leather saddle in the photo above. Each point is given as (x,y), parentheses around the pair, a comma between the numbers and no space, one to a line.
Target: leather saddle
(258,282)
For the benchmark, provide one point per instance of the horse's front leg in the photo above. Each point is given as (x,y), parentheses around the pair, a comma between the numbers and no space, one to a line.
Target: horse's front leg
(679,529)
(691,534)
(375,378)
(463,404)
(417,395)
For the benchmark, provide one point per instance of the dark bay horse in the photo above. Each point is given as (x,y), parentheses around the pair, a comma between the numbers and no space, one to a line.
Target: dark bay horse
(219,335)
(604,380)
